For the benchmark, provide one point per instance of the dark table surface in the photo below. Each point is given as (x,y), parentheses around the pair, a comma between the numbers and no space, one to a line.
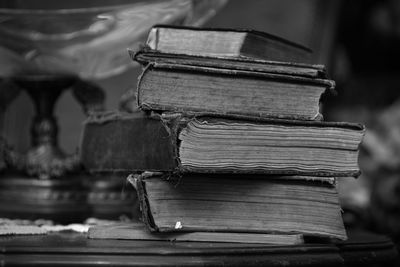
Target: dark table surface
(73,249)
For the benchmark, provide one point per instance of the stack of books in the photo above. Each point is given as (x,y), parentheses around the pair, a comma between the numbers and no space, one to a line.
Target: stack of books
(230,144)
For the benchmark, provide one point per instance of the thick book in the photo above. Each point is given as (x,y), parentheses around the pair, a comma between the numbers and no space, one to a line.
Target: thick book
(226,145)
(225,43)
(139,231)
(220,144)
(239,203)
(145,56)
(196,90)
(120,142)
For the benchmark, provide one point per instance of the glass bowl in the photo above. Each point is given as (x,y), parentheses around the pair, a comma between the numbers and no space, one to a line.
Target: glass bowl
(85,38)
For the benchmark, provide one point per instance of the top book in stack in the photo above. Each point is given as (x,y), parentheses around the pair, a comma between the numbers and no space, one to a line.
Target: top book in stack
(225,43)
(228,72)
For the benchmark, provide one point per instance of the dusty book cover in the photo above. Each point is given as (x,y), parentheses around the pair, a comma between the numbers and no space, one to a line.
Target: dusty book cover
(139,231)
(201,89)
(220,42)
(217,203)
(178,143)
(146,56)
(126,142)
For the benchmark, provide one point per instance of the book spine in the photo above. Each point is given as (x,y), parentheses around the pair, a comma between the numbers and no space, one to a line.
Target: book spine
(137,182)
(126,143)
(172,123)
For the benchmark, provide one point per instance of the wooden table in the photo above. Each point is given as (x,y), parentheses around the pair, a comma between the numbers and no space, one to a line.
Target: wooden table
(73,249)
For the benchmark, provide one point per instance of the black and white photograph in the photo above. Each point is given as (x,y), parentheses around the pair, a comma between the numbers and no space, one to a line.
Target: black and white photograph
(200,133)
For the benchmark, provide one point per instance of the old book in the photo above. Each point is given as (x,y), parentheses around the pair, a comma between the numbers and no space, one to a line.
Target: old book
(197,90)
(239,203)
(225,145)
(212,144)
(145,56)
(176,143)
(225,43)
(121,142)
(139,231)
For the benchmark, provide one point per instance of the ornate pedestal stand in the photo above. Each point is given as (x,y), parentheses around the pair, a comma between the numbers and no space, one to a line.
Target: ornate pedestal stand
(47,183)
(45,159)
(89,40)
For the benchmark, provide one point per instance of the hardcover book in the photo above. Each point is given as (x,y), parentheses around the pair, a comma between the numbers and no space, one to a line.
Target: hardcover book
(145,56)
(197,90)
(139,231)
(176,143)
(225,43)
(267,146)
(120,142)
(241,203)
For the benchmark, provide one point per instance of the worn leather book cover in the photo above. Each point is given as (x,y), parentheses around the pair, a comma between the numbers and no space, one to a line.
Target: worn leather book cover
(220,144)
(225,43)
(197,89)
(125,142)
(139,231)
(231,203)
(146,55)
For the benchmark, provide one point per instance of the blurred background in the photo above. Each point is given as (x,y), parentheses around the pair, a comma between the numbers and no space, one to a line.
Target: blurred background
(358,41)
